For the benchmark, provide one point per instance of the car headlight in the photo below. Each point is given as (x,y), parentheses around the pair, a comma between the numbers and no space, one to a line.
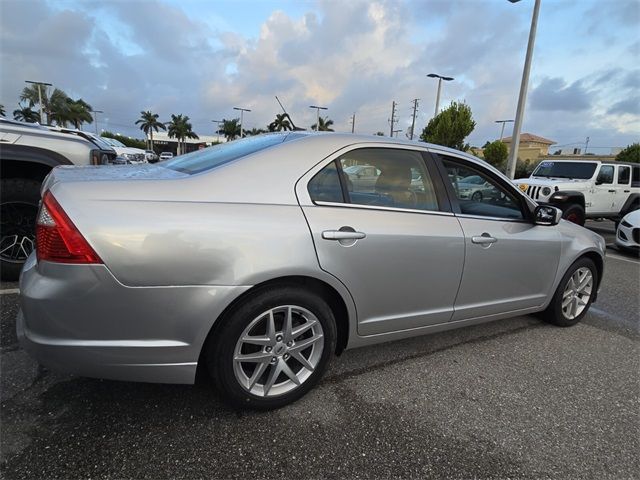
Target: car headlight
(128,156)
(626,224)
(546,191)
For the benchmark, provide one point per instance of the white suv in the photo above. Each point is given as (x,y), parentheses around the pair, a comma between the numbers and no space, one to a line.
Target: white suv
(585,188)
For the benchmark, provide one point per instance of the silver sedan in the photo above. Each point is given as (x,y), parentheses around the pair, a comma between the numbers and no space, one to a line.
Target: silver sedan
(259,260)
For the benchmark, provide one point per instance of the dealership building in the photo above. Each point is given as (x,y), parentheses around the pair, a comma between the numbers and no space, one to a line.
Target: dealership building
(162,142)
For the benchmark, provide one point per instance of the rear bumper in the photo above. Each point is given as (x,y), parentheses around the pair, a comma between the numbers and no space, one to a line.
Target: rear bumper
(79,319)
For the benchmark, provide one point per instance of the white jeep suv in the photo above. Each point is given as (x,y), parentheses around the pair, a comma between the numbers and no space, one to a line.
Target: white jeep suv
(585,188)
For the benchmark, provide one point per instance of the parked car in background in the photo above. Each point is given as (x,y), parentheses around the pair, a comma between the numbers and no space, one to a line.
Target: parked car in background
(166,156)
(129,155)
(257,260)
(28,152)
(628,232)
(585,189)
(151,156)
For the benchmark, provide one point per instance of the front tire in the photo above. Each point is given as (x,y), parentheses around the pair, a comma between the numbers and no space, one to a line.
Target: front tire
(271,349)
(575,214)
(574,294)
(18,210)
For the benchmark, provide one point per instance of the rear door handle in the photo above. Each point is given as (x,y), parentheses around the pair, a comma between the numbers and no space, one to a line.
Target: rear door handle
(484,239)
(342,235)
(612,191)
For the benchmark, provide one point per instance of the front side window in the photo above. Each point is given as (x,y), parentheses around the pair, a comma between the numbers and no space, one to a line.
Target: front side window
(388,177)
(480,195)
(605,175)
(624,175)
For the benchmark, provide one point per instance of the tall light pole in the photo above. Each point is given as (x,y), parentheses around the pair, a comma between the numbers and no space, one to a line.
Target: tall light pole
(95,118)
(440,78)
(502,130)
(515,138)
(39,84)
(242,110)
(218,122)
(317,115)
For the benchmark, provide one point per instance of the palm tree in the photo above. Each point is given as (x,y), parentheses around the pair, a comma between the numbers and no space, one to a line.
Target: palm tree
(25,114)
(230,128)
(2,112)
(254,131)
(325,125)
(148,123)
(282,122)
(78,112)
(180,128)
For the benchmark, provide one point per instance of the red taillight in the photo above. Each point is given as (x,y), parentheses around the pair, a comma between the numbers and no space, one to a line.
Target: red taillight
(58,239)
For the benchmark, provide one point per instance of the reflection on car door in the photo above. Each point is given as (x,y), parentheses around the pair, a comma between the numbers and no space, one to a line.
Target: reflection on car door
(510,263)
(402,267)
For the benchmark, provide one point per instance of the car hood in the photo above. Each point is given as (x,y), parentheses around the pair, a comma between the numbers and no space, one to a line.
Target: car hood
(131,150)
(564,183)
(633,218)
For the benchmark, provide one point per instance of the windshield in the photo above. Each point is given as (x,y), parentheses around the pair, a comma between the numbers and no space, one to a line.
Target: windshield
(212,157)
(582,170)
(113,142)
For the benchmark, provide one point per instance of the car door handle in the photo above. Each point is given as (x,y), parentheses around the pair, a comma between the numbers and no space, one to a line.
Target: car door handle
(484,239)
(342,235)
(612,191)
(627,191)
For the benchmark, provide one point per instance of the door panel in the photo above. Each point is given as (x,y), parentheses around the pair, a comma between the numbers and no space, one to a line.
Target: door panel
(603,196)
(404,274)
(514,272)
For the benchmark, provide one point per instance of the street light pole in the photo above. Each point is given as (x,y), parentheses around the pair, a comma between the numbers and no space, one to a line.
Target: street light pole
(39,84)
(242,110)
(515,138)
(95,118)
(440,78)
(502,130)
(317,115)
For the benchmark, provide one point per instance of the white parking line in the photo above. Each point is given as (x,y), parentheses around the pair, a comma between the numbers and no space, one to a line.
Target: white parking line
(9,291)
(622,258)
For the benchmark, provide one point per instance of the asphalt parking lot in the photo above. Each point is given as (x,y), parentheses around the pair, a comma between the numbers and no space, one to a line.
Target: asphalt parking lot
(511,399)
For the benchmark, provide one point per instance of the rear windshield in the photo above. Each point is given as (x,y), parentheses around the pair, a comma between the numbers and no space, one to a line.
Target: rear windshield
(211,157)
(572,169)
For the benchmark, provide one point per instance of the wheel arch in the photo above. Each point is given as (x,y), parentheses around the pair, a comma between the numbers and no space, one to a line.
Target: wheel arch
(335,300)
(632,201)
(563,199)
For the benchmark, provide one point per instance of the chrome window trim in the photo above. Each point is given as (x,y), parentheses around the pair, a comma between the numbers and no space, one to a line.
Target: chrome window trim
(495,219)
(384,209)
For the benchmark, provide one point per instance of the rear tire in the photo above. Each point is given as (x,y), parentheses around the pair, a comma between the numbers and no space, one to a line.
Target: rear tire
(575,214)
(571,301)
(249,384)
(19,208)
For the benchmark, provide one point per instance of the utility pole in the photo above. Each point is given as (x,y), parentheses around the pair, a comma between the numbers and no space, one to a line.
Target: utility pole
(393,120)
(218,122)
(39,84)
(586,145)
(317,115)
(515,138)
(502,130)
(242,110)
(95,118)
(413,121)
(353,123)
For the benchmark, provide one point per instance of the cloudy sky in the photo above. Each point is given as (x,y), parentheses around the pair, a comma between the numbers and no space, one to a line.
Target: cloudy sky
(202,58)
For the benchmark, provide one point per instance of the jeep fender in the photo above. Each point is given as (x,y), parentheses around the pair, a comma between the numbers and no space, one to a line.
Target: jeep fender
(22,161)
(632,203)
(563,199)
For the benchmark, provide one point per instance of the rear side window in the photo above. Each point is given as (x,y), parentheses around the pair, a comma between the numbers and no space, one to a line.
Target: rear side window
(325,185)
(624,175)
(212,157)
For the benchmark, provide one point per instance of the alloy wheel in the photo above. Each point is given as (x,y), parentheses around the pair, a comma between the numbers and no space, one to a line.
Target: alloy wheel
(577,293)
(278,351)
(18,230)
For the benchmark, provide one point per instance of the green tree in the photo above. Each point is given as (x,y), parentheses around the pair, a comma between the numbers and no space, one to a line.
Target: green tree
(496,154)
(148,123)
(630,154)
(230,128)
(78,112)
(325,125)
(282,122)
(379,134)
(450,127)
(254,131)
(26,114)
(180,128)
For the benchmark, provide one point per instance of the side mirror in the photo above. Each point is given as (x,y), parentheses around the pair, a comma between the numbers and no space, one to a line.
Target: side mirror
(547,215)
